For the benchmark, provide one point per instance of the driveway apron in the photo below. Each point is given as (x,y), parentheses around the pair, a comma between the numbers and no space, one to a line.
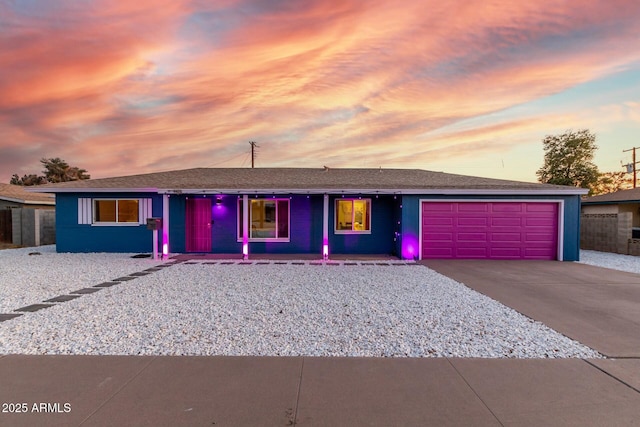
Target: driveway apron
(597,306)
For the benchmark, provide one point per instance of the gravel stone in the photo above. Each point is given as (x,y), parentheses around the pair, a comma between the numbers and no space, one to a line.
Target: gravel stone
(28,279)
(620,262)
(267,310)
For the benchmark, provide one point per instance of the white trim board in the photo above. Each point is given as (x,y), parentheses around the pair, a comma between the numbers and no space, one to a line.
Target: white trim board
(332,191)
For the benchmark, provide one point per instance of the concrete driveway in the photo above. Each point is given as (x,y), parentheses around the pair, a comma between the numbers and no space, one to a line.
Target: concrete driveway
(597,306)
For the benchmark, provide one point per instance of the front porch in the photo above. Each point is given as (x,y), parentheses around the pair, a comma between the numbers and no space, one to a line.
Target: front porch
(285,257)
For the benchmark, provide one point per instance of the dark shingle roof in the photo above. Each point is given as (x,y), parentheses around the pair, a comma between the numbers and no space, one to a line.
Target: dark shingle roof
(632,195)
(18,194)
(300,179)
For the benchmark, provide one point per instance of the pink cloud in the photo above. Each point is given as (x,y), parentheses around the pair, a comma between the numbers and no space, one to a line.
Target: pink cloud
(125,87)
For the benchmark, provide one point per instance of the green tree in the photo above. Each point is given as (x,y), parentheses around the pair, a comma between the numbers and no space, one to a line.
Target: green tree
(568,159)
(30,179)
(610,182)
(55,170)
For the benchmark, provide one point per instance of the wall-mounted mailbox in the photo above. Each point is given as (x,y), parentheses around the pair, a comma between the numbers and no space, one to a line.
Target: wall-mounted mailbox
(154,223)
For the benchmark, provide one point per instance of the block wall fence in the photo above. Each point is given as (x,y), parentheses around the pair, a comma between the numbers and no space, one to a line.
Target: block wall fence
(608,233)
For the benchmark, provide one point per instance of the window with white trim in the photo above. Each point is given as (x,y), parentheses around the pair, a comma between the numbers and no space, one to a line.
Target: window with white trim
(352,216)
(114,211)
(268,220)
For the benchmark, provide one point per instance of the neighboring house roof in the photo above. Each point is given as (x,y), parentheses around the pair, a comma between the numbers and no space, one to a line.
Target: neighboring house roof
(301,180)
(622,196)
(17,194)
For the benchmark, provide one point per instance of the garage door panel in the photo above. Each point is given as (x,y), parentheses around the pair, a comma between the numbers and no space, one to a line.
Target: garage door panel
(472,252)
(506,207)
(446,237)
(538,237)
(471,207)
(472,237)
(439,207)
(506,221)
(501,230)
(473,221)
(438,253)
(536,253)
(438,221)
(541,207)
(539,222)
(506,237)
(514,253)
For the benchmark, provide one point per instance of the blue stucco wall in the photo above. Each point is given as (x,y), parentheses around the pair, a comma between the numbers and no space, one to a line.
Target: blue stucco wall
(74,237)
(389,216)
(411,217)
(383,226)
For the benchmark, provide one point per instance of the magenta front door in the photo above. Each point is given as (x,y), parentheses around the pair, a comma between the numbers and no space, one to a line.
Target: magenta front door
(490,230)
(198,225)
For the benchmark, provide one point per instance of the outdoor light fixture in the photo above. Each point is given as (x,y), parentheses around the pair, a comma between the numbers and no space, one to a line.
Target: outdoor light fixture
(218,200)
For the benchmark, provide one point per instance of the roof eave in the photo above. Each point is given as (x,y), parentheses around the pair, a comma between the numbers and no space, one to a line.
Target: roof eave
(408,191)
(94,190)
(28,202)
(414,191)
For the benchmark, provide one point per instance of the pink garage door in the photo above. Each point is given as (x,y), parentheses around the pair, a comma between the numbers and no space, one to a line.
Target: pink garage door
(497,230)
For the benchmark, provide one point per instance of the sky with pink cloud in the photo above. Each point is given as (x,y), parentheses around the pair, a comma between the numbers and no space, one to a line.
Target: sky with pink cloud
(461,86)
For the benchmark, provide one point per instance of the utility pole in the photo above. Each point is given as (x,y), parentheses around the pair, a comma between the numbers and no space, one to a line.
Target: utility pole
(255,145)
(633,160)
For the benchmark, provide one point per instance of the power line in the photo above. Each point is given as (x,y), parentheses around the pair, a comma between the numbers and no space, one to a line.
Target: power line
(224,161)
(246,156)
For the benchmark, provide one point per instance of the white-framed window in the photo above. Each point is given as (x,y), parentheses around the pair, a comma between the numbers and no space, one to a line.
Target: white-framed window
(269,220)
(352,216)
(114,211)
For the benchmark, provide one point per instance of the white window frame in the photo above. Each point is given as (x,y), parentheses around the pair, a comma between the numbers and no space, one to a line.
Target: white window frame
(352,231)
(86,216)
(264,239)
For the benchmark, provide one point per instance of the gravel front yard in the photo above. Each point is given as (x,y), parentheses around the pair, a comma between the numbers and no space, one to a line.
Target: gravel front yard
(28,279)
(609,260)
(287,310)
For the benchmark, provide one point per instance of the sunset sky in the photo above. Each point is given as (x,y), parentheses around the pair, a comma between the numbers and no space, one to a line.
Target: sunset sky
(469,86)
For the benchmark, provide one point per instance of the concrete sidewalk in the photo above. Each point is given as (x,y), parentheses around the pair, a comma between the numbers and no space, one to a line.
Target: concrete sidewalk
(269,391)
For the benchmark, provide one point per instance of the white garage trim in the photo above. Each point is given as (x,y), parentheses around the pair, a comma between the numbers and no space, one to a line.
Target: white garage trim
(560,248)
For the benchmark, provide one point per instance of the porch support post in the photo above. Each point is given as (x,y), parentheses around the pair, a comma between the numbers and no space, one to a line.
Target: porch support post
(165,226)
(245,226)
(325,228)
